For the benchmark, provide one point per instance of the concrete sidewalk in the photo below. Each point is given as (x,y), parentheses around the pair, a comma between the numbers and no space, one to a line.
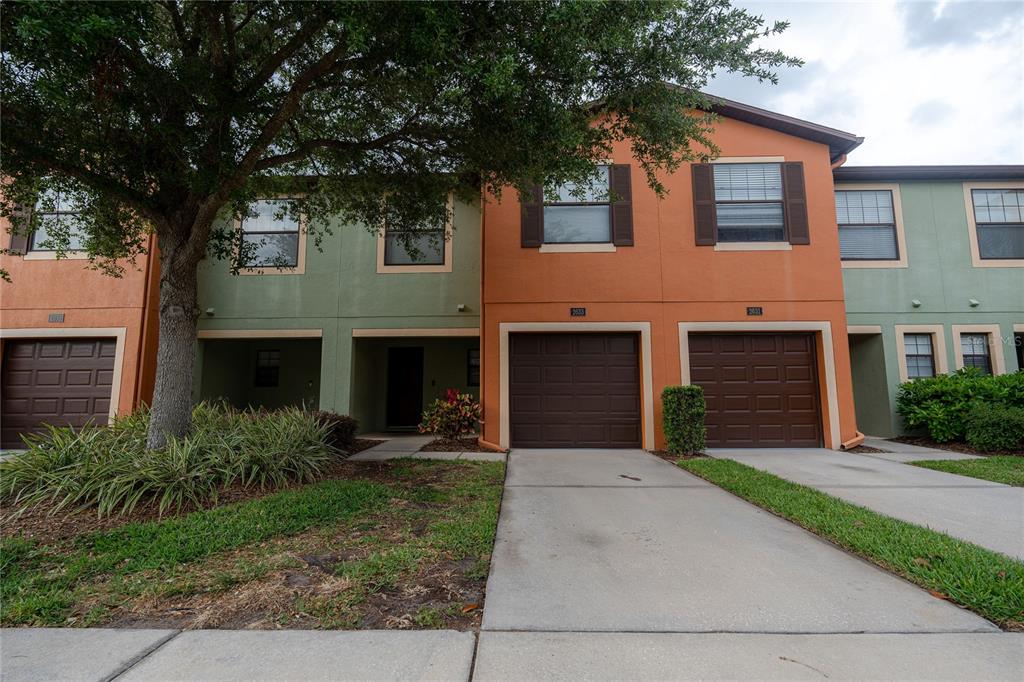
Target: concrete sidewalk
(908,452)
(621,541)
(407,445)
(983,512)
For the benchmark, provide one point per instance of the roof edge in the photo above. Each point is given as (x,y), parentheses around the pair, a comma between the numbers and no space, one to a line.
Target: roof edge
(950,172)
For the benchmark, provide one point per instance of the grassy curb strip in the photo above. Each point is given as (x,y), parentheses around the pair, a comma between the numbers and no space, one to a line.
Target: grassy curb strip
(986,582)
(1000,469)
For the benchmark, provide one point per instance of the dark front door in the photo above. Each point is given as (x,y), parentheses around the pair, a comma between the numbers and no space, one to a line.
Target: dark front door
(54,381)
(575,390)
(405,387)
(761,389)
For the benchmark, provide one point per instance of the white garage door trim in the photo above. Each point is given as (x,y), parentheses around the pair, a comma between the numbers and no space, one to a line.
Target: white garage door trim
(646,375)
(118,333)
(824,328)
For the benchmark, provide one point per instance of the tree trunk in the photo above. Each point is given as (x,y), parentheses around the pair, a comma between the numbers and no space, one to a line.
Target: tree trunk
(179,314)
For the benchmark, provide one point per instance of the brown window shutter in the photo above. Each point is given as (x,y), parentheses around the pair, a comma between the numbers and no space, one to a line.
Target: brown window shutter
(531,230)
(796,203)
(622,207)
(705,220)
(19,242)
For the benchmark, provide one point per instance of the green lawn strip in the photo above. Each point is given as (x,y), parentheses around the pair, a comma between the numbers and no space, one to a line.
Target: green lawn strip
(999,468)
(986,582)
(40,584)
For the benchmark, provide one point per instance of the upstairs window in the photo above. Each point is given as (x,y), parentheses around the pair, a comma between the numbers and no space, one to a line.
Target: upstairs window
(975,352)
(270,235)
(580,213)
(867,225)
(919,355)
(57,216)
(748,202)
(999,220)
(419,247)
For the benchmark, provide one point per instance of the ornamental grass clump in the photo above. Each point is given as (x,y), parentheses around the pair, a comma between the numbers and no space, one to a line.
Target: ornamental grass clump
(451,417)
(109,467)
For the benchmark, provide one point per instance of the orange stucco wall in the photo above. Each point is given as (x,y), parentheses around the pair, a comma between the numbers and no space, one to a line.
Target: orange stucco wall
(89,299)
(665,278)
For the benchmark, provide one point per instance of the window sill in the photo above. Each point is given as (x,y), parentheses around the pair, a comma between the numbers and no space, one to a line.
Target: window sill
(52,255)
(606,247)
(753,246)
(857,264)
(297,270)
(383,269)
(999,263)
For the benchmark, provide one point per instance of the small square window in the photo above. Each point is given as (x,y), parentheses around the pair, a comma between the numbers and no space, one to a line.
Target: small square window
(975,352)
(580,214)
(270,236)
(268,369)
(919,355)
(999,221)
(867,225)
(57,216)
(473,367)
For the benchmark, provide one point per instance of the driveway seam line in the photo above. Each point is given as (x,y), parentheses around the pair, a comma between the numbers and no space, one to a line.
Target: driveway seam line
(961,631)
(472,658)
(146,653)
(899,487)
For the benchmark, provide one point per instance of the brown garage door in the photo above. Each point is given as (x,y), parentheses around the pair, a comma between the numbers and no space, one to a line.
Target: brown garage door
(761,389)
(54,382)
(574,390)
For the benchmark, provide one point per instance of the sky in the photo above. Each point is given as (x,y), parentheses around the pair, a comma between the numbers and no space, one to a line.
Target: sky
(922,82)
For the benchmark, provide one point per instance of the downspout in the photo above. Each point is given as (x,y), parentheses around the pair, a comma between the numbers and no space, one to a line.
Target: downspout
(145,327)
(840,160)
(482,326)
(853,442)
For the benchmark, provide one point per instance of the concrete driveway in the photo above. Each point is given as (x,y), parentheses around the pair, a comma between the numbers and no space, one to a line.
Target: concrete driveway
(985,513)
(621,541)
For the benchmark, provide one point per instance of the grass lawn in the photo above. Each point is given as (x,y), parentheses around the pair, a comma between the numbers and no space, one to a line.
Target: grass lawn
(988,583)
(999,468)
(401,544)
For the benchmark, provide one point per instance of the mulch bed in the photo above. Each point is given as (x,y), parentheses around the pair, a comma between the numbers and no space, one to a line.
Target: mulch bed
(966,449)
(360,444)
(457,445)
(669,457)
(865,449)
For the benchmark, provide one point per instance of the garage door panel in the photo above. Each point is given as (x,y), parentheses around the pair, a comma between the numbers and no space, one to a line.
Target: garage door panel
(59,382)
(767,397)
(588,385)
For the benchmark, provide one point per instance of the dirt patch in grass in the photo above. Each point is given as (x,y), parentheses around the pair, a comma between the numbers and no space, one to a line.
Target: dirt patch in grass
(360,444)
(669,457)
(926,442)
(457,445)
(864,449)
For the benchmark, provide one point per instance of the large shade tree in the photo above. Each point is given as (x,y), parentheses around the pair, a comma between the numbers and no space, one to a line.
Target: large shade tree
(167,116)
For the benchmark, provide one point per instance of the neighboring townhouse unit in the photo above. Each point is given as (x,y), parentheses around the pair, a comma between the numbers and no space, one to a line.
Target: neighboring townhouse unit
(933,269)
(731,281)
(78,346)
(357,326)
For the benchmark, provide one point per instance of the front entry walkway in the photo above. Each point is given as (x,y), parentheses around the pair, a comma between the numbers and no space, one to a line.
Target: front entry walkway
(983,512)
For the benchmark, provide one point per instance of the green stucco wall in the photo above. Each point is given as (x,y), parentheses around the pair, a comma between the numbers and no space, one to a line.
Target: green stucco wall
(941,276)
(339,291)
(227,370)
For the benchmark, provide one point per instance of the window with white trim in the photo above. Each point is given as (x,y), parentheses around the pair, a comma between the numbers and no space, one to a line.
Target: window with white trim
(920,355)
(867,225)
(57,221)
(580,214)
(748,202)
(975,352)
(999,222)
(270,235)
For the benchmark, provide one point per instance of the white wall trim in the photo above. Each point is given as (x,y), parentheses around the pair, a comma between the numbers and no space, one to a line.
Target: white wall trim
(753,246)
(646,367)
(972,226)
(823,328)
(260,333)
(897,211)
(52,255)
(995,344)
(749,159)
(380,332)
(119,334)
(864,329)
(604,247)
(938,347)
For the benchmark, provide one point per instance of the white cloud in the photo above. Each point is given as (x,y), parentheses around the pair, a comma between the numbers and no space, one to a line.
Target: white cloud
(923,82)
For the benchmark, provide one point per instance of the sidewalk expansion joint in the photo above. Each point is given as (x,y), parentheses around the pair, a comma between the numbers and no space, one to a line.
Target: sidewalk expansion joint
(146,653)
(541,631)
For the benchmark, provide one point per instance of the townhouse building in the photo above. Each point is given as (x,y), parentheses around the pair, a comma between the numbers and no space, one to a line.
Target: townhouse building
(933,272)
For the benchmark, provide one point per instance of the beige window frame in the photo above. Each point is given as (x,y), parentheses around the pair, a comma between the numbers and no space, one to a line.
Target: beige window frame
(995,345)
(897,211)
(972,226)
(449,237)
(938,335)
(300,261)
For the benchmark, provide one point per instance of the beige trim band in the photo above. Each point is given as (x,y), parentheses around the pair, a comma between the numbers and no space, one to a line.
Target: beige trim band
(749,159)
(972,226)
(824,328)
(646,367)
(995,344)
(577,248)
(260,333)
(938,347)
(119,334)
(897,211)
(864,329)
(753,246)
(52,255)
(381,332)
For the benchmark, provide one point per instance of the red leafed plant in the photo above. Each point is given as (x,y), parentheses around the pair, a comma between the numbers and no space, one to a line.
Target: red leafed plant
(451,417)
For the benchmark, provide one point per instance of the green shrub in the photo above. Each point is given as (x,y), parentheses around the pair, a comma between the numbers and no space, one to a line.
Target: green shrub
(682,416)
(940,404)
(341,432)
(450,417)
(995,428)
(110,468)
